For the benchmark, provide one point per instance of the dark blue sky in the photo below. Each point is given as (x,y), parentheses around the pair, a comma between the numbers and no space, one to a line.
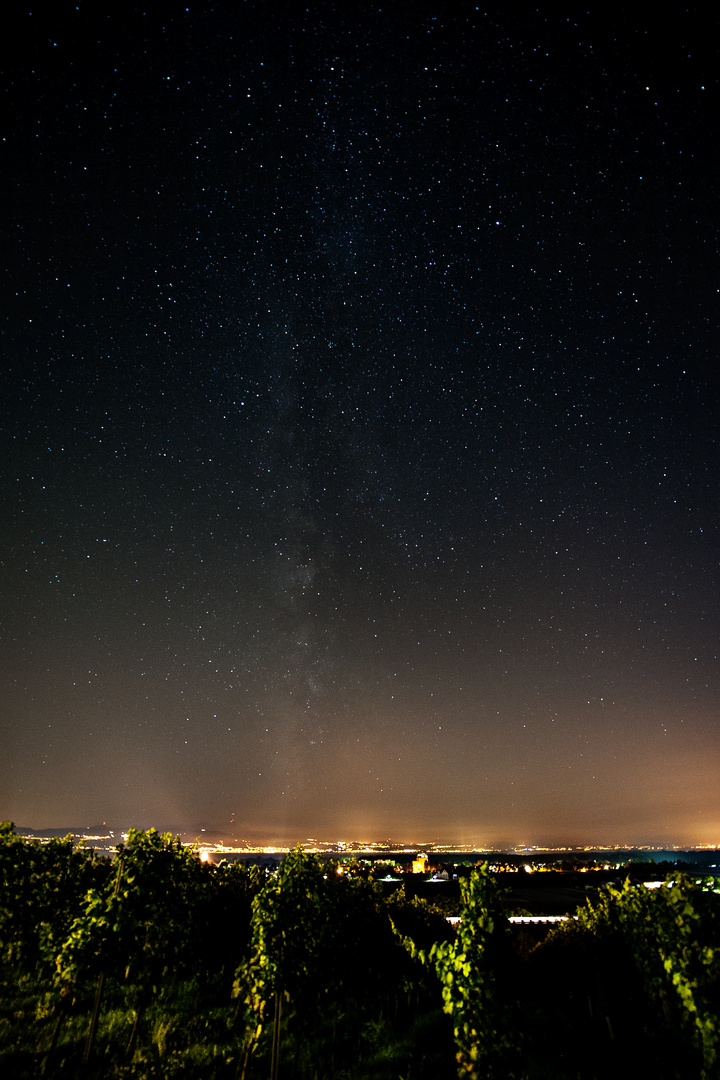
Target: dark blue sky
(360,469)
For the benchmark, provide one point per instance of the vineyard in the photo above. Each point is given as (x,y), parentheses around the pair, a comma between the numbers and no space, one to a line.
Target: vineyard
(156,964)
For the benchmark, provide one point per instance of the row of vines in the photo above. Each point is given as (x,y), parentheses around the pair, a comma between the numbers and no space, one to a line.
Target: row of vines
(156,964)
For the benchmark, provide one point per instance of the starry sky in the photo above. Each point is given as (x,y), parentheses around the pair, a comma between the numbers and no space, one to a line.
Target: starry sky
(360,421)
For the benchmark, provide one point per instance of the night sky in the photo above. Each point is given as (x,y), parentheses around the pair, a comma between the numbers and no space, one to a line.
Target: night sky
(360,422)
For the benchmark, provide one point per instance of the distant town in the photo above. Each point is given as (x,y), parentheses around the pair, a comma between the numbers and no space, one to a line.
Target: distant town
(542,884)
(211,847)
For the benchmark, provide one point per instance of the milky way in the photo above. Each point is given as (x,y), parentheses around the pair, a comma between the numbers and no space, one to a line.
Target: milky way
(360,443)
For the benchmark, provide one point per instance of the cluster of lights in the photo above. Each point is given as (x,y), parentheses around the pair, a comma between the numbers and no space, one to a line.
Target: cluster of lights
(420,851)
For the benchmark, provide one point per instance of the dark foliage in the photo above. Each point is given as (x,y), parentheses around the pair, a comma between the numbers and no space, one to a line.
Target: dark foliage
(157,965)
